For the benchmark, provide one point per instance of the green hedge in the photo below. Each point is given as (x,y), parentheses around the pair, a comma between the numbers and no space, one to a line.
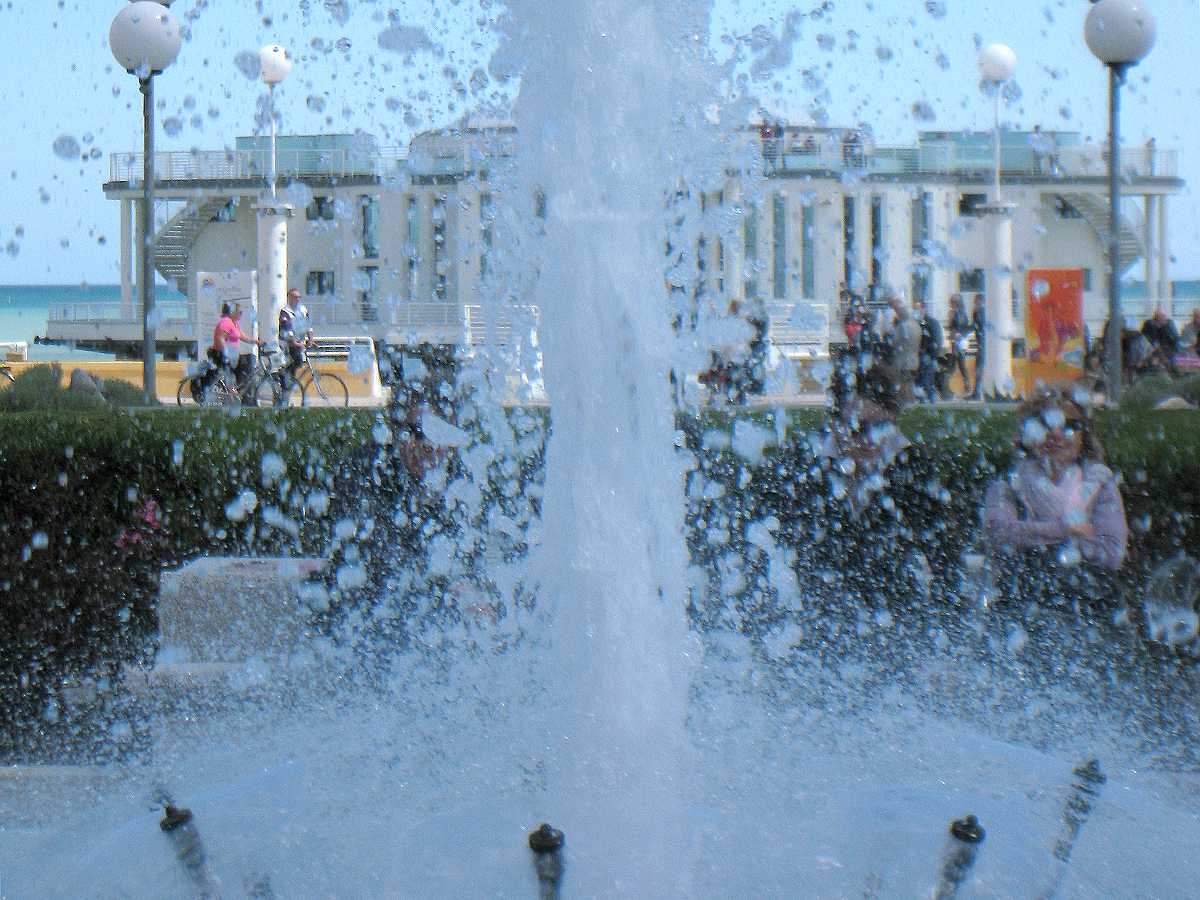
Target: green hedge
(95,505)
(79,558)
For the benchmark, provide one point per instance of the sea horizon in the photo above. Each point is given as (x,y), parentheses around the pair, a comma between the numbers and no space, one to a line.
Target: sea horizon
(25,313)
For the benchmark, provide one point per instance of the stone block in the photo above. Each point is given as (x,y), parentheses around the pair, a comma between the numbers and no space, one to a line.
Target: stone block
(231,610)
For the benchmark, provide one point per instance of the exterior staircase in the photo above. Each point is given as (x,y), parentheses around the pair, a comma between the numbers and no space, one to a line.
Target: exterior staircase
(1094,210)
(174,242)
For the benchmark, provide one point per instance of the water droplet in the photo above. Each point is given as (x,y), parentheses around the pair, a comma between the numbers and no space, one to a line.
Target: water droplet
(66,147)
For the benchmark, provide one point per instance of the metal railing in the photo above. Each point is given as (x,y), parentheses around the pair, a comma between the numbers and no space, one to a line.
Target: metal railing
(502,328)
(1044,159)
(226,165)
(111,311)
(793,155)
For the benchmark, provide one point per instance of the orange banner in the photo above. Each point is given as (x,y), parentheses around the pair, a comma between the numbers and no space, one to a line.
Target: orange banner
(1053,327)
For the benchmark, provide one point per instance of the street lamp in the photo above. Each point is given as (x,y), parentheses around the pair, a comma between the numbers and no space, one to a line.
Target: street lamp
(1119,33)
(273,67)
(145,39)
(996,65)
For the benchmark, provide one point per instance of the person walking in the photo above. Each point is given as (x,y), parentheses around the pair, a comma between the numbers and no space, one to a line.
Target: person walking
(959,327)
(1161,332)
(905,341)
(295,335)
(1190,339)
(979,326)
(930,351)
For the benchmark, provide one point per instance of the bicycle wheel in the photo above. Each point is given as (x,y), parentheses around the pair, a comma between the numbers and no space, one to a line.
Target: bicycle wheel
(325,389)
(267,393)
(186,394)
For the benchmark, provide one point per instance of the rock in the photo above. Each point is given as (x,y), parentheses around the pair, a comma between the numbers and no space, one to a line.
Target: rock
(1174,403)
(82,382)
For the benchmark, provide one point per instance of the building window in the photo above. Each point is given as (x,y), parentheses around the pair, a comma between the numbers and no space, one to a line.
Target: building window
(971,204)
(876,240)
(321,208)
(848,240)
(440,282)
(720,266)
(370,226)
(413,247)
(779,236)
(318,283)
(367,297)
(485,231)
(971,282)
(1087,279)
(808,251)
(920,222)
(750,249)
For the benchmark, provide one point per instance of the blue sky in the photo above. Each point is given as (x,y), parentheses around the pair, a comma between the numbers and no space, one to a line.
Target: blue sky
(391,68)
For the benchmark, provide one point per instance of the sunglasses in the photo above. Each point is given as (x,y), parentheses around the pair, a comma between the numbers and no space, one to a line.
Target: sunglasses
(1035,428)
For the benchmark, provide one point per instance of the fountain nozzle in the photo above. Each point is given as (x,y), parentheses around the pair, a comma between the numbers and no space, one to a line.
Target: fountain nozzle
(966,834)
(547,843)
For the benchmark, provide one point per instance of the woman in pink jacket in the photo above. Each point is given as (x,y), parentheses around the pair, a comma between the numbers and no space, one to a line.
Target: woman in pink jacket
(1054,528)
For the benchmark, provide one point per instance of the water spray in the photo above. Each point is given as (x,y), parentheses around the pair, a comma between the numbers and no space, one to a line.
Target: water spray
(1086,782)
(966,835)
(180,826)
(546,844)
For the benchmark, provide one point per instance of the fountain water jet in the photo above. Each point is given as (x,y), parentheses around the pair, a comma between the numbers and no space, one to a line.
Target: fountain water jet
(599,139)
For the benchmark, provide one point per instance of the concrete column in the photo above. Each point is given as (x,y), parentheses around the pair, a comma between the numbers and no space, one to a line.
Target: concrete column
(942,280)
(862,239)
(997,361)
(735,256)
(272,266)
(469,240)
(1164,254)
(127,259)
(1150,243)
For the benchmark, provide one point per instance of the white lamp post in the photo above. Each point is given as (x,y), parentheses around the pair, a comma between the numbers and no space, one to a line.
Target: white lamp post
(1119,33)
(996,65)
(145,39)
(273,67)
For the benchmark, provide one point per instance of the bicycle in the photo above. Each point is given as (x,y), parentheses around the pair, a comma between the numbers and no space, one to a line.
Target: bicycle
(193,392)
(316,388)
(264,388)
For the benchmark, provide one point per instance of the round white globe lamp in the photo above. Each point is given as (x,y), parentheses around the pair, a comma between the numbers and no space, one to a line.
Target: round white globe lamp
(1119,32)
(145,36)
(273,64)
(997,63)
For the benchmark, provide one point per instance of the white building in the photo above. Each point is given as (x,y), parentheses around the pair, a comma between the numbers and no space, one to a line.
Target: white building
(392,245)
